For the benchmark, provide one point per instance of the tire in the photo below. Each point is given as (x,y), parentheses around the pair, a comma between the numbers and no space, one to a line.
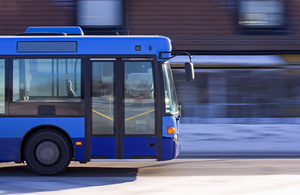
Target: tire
(48,152)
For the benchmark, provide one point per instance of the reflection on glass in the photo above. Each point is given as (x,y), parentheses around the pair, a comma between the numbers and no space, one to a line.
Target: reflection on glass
(2,86)
(139,98)
(103,97)
(171,101)
(47,80)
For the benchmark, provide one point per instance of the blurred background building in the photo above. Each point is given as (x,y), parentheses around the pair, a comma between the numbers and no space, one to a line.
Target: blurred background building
(246,52)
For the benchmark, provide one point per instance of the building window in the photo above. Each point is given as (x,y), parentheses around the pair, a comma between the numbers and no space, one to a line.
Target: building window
(259,16)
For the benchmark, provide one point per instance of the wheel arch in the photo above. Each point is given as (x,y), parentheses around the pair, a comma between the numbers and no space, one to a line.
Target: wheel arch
(40,128)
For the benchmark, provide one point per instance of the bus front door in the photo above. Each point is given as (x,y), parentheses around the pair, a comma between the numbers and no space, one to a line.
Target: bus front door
(123,109)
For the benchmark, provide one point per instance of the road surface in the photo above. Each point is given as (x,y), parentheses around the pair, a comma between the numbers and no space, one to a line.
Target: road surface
(179,176)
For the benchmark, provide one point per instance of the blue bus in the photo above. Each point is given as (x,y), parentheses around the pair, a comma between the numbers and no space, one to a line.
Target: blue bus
(65,96)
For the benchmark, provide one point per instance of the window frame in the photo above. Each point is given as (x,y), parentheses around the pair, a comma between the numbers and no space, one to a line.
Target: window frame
(32,107)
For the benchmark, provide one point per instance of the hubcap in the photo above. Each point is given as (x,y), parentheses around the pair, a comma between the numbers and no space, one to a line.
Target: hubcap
(47,152)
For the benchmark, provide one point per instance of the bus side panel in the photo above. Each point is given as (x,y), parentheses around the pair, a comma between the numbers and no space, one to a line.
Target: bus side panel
(103,147)
(79,149)
(169,121)
(14,129)
(170,149)
(139,147)
(18,127)
(9,149)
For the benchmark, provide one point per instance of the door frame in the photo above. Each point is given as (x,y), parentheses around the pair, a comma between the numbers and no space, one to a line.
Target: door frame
(119,106)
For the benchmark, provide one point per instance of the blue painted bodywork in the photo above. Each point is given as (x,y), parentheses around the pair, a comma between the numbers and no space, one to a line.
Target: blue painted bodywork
(170,121)
(139,146)
(103,147)
(79,150)
(13,130)
(70,30)
(18,127)
(170,149)
(9,149)
(95,45)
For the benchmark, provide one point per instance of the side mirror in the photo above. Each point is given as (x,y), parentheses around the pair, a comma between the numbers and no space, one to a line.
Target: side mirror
(189,71)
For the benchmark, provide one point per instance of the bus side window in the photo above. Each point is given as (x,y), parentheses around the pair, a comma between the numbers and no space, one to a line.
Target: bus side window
(40,80)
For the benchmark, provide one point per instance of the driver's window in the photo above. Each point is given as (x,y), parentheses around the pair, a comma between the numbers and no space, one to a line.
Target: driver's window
(139,97)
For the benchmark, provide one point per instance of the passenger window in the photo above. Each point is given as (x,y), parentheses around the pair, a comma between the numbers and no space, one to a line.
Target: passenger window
(47,80)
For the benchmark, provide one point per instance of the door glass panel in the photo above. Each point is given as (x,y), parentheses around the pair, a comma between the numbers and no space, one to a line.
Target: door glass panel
(103,97)
(2,86)
(139,98)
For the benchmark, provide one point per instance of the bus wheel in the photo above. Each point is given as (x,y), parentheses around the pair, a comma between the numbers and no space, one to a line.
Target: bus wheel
(47,152)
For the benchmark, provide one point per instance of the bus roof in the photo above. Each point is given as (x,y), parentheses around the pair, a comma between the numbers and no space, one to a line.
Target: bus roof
(84,45)
(69,30)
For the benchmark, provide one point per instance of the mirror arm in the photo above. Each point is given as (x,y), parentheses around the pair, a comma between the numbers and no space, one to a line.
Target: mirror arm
(174,54)
(190,56)
(189,67)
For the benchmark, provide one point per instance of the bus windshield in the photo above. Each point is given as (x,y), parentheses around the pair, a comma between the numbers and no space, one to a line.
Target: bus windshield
(171,101)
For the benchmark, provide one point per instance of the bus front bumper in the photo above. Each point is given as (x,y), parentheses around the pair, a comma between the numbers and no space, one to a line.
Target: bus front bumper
(170,148)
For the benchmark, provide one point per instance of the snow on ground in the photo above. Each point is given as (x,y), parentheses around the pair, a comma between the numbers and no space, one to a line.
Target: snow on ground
(240,139)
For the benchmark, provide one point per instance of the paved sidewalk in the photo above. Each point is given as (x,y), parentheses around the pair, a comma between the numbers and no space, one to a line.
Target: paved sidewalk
(260,140)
